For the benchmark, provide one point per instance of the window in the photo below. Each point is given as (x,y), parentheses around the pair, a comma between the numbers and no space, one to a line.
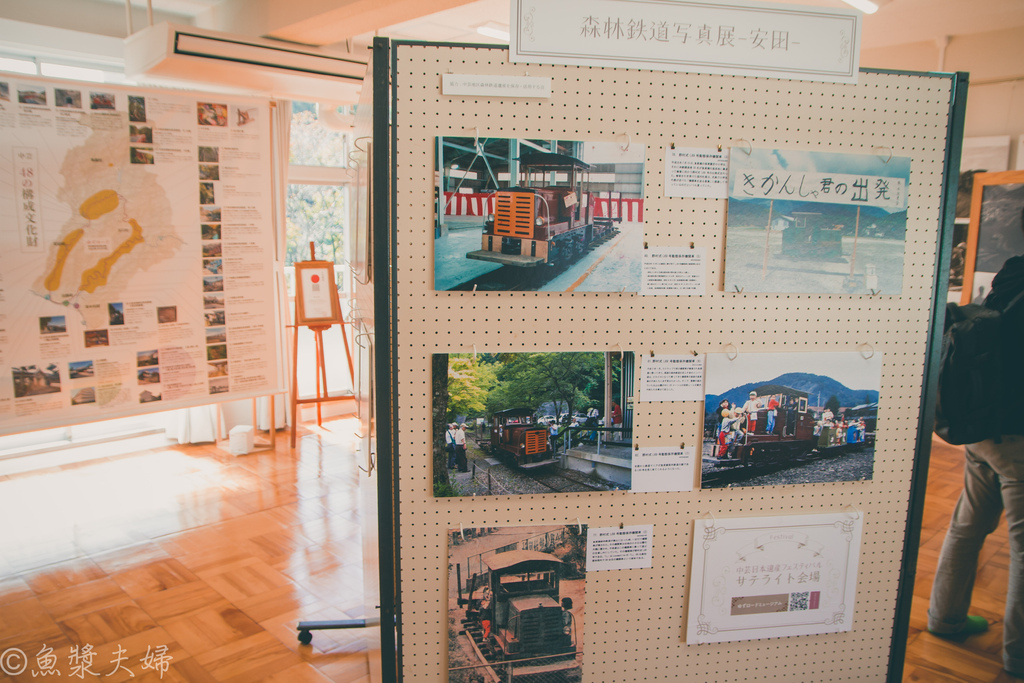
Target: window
(316,210)
(316,205)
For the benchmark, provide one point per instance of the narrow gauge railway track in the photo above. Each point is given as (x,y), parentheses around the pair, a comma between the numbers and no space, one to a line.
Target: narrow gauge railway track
(559,483)
(731,474)
(506,279)
(512,278)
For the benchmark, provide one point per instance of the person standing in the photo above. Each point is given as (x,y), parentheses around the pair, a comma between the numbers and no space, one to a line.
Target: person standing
(723,432)
(567,616)
(750,408)
(993,481)
(773,406)
(449,442)
(460,449)
(616,422)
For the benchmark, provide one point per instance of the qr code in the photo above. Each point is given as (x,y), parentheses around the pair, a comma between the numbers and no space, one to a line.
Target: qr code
(798,601)
(316,288)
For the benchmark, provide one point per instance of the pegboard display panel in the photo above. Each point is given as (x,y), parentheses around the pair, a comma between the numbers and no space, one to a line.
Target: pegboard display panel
(635,618)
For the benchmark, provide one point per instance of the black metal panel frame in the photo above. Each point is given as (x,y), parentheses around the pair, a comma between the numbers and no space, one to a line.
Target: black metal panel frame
(926,420)
(385,376)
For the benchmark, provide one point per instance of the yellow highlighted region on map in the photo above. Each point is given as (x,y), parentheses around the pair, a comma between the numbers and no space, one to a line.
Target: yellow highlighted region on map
(52,281)
(103,202)
(97,275)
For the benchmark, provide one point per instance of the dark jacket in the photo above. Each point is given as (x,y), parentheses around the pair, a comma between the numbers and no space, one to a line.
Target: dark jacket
(1008,283)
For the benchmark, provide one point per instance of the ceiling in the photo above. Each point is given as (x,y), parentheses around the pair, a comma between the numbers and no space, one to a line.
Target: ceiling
(327,22)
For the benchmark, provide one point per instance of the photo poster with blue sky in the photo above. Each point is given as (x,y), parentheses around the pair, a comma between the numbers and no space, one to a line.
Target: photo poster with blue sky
(816,222)
(790,418)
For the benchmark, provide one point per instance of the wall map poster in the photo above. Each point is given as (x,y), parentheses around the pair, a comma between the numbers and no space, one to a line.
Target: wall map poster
(135,270)
(768,577)
(816,222)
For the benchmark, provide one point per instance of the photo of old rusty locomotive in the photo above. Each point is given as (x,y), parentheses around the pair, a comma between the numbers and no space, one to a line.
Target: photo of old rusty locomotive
(514,612)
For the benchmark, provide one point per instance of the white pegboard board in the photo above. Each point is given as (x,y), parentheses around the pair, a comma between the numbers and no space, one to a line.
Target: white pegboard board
(635,618)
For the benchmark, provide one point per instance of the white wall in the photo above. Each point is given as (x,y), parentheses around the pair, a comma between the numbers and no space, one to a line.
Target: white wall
(995,61)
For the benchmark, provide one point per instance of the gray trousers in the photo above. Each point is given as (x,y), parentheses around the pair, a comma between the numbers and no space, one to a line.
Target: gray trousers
(993,481)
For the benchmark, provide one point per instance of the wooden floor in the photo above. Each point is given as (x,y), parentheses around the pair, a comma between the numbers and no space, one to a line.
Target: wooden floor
(213,557)
(977,659)
(216,558)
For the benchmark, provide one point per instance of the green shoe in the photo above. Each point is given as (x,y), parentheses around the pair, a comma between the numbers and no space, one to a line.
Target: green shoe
(973,625)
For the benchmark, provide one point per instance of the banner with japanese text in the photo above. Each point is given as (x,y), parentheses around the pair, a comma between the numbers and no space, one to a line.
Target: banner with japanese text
(740,38)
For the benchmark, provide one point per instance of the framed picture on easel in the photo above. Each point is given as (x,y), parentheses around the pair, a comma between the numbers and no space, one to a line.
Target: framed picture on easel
(316,295)
(994,235)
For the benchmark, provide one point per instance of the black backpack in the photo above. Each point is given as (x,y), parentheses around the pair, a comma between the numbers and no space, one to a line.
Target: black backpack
(971,405)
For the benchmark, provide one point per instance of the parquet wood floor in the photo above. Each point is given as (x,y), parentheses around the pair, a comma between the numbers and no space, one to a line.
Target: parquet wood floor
(211,556)
(977,659)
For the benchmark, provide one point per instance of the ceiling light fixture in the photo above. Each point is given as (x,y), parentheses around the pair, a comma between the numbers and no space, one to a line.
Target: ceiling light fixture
(74,73)
(493,32)
(865,6)
(19,66)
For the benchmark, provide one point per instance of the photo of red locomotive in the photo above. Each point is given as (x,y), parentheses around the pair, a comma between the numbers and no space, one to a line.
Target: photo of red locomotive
(548,219)
(521,441)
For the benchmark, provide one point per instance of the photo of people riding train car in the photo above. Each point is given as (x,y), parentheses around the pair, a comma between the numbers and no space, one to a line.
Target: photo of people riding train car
(775,419)
(516,604)
(521,423)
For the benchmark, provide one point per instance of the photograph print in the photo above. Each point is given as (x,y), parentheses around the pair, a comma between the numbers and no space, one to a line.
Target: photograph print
(521,423)
(538,215)
(996,231)
(789,418)
(516,603)
(816,222)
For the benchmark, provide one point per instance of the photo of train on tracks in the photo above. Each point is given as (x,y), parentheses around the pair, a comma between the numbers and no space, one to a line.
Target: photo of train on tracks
(538,215)
(516,604)
(816,222)
(790,418)
(528,423)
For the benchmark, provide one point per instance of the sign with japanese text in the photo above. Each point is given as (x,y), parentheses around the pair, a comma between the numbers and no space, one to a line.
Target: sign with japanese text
(696,172)
(824,188)
(674,271)
(488,85)
(768,577)
(672,377)
(614,548)
(663,469)
(741,38)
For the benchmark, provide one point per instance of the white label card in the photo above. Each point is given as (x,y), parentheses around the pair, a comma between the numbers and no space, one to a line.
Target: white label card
(663,469)
(672,378)
(763,577)
(626,548)
(674,271)
(317,291)
(697,172)
(489,85)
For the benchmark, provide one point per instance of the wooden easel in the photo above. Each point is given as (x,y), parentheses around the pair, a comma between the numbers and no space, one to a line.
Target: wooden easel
(315,311)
